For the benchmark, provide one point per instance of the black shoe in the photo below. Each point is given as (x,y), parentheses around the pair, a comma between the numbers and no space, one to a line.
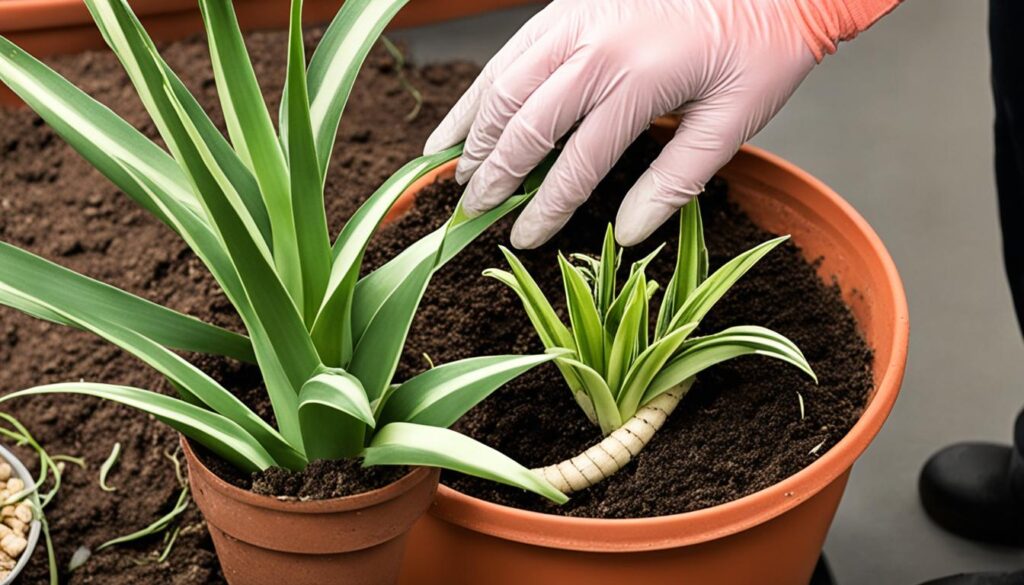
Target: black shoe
(976,490)
(981,579)
(822,573)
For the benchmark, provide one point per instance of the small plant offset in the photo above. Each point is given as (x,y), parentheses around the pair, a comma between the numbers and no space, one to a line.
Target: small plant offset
(625,379)
(326,341)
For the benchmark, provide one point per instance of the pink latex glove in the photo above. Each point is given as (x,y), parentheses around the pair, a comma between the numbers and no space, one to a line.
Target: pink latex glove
(613,66)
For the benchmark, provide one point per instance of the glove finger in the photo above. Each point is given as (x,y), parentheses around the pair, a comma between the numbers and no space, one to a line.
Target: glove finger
(456,124)
(547,115)
(511,91)
(708,136)
(589,154)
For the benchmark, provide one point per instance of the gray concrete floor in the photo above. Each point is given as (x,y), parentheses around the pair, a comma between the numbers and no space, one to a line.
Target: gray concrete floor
(899,123)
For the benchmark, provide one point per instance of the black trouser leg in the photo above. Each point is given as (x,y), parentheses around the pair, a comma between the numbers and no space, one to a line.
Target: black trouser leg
(1005,28)
(1006,17)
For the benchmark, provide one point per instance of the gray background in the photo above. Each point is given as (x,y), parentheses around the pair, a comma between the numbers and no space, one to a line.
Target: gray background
(899,123)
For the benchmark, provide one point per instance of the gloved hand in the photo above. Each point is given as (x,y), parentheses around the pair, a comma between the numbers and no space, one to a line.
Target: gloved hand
(613,66)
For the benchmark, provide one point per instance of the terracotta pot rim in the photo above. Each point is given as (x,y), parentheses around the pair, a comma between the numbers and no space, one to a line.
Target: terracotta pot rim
(291,506)
(24,15)
(635,534)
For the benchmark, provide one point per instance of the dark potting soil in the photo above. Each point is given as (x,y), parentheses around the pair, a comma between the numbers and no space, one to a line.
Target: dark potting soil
(54,204)
(320,480)
(739,429)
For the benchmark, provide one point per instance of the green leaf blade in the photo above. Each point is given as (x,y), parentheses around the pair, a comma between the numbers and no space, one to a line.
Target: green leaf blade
(627,334)
(714,288)
(699,354)
(150,74)
(334,414)
(441,395)
(410,444)
(252,133)
(606,272)
(600,395)
(209,429)
(336,63)
(335,343)
(647,366)
(39,278)
(307,186)
(375,357)
(586,325)
(94,131)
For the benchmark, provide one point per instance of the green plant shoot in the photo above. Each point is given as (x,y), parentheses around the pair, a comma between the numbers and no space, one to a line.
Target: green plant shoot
(618,366)
(250,205)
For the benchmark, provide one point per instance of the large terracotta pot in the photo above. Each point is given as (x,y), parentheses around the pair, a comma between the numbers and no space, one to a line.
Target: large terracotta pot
(772,537)
(51,27)
(356,540)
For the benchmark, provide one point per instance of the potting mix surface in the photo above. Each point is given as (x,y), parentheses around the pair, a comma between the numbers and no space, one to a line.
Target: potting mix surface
(739,430)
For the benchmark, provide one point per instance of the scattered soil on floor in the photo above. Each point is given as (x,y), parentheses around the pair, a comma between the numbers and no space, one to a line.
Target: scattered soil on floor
(738,430)
(54,204)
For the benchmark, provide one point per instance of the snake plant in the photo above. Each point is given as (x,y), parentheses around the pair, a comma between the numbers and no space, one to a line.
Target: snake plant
(326,339)
(627,378)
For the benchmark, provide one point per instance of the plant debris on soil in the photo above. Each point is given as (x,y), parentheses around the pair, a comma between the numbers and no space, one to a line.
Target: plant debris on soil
(740,429)
(55,204)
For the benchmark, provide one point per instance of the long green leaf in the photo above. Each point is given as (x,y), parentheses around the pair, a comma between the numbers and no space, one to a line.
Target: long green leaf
(614,313)
(334,414)
(165,97)
(375,357)
(625,341)
(278,376)
(699,354)
(647,366)
(587,328)
(24,271)
(604,287)
(714,288)
(332,330)
(197,385)
(149,73)
(374,288)
(441,395)
(602,399)
(215,432)
(552,331)
(283,347)
(307,187)
(356,233)
(336,62)
(411,444)
(252,133)
(98,134)
(691,265)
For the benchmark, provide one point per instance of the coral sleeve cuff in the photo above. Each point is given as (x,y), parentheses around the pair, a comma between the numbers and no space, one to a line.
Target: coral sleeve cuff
(824,23)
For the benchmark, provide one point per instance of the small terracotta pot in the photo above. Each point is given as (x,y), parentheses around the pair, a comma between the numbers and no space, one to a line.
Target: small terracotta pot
(772,537)
(356,540)
(52,27)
